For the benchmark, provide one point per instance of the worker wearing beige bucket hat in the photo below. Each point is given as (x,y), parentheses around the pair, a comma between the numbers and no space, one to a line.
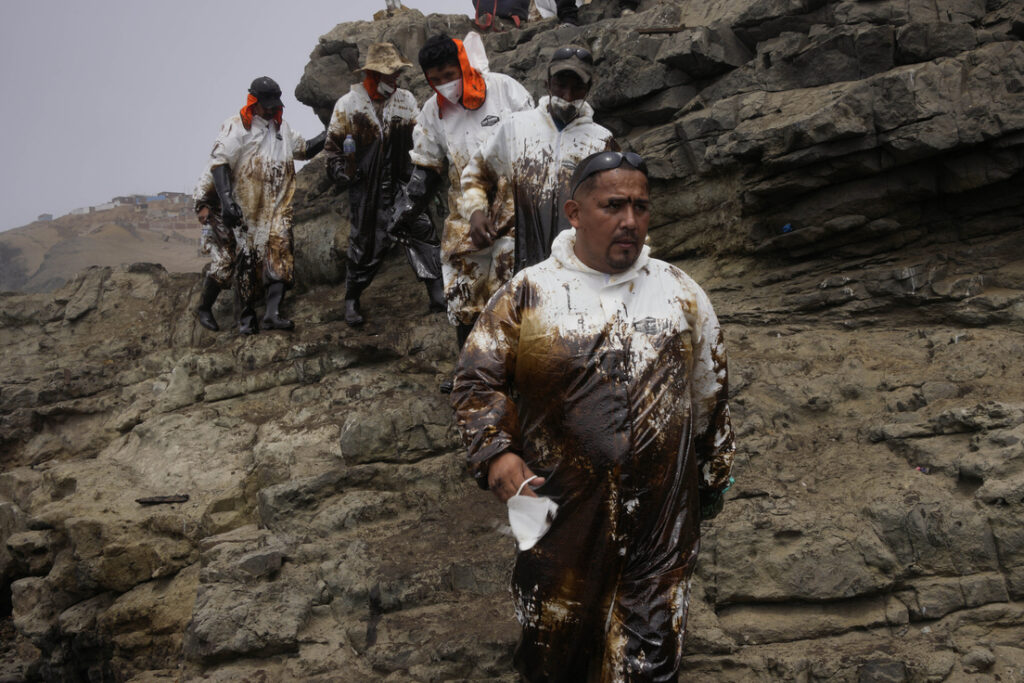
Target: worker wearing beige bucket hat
(368,143)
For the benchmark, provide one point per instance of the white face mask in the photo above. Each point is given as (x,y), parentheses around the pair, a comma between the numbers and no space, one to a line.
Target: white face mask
(530,517)
(563,110)
(451,91)
(385,89)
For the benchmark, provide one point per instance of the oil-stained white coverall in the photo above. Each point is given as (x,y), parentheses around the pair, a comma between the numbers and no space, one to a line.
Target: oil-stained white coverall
(261,159)
(537,161)
(614,389)
(447,136)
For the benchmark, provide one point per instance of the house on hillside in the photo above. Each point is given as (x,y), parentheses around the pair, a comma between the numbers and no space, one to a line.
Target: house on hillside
(45,217)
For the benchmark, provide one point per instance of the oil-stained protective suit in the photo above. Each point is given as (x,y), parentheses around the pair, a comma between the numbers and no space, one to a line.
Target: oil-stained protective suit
(382,131)
(216,239)
(261,158)
(447,135)
(613,388)
(537,161)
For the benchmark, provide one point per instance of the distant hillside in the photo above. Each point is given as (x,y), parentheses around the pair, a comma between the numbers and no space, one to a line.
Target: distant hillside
(43,255)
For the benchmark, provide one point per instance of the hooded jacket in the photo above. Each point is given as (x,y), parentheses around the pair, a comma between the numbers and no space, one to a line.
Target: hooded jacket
(447,135)
(537,161)
(613,388)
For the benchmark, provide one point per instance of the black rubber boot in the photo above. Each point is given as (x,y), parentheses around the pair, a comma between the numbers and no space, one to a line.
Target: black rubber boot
(353,314)
(247,322)
(435,293)
(204,311)
(272,319)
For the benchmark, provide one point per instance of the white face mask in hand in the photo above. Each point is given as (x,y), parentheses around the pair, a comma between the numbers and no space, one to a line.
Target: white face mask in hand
(530,516)
(451,90)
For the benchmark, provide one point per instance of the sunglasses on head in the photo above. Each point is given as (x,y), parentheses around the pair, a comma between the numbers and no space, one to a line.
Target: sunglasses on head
(568,52)
(605,161)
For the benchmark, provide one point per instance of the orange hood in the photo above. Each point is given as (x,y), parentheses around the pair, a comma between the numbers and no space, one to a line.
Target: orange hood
(248,111)
(474,89)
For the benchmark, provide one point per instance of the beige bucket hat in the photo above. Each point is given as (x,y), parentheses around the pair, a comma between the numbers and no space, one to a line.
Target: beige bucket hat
(384,58)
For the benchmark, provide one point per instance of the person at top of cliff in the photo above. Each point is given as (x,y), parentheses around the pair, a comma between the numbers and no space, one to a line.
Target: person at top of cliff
(592,396)
(217,241)
(535,152)
(379,116)
(253,170)
(469,104)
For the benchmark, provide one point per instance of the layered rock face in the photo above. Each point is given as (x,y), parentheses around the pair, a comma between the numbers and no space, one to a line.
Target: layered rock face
(839,176)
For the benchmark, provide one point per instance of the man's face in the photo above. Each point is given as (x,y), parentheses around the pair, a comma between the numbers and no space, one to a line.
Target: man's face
(567,85)
(265,112)
(611,213)
(439,75)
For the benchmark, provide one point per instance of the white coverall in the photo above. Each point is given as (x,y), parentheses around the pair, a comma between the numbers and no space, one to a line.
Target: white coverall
(262,165)
(449,136)
(537,160)
(614,389)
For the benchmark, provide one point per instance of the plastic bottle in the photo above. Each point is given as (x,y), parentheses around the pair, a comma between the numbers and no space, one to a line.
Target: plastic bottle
(348,148)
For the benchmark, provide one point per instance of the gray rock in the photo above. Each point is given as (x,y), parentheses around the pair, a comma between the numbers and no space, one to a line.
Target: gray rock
(921,42)
(704,52)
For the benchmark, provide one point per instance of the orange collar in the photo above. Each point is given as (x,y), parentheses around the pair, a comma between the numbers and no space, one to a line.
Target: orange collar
(249,110)
(474,88)
(370,84)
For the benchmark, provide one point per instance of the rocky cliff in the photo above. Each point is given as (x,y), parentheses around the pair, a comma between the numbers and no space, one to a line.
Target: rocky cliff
(839,176)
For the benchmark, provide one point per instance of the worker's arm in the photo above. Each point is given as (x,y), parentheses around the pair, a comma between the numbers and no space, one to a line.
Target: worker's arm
(713,441)
(485,412)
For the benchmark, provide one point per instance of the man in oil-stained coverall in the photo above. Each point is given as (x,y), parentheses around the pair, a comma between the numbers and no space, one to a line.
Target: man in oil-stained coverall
(217,241)
(536,152)
(380,118)
(254,174)
(602,372)
(469,106)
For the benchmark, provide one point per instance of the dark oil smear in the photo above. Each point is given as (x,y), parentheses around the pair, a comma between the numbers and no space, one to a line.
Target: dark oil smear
(628,516)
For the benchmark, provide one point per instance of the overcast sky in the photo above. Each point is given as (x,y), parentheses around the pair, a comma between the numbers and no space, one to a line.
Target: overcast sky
(112,97)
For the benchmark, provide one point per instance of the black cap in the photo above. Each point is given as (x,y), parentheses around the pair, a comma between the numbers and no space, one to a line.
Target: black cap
(266,90)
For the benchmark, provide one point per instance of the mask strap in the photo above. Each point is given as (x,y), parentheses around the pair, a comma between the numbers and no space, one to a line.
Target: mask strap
(523,485)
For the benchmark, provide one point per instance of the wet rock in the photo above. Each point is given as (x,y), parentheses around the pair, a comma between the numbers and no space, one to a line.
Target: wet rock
(33,551)
(978,659)
(840,177)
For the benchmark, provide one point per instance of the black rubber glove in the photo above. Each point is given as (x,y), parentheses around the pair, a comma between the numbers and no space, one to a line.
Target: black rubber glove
(315,144)
(336,171)
(230,211)
(413,199)
(711,503)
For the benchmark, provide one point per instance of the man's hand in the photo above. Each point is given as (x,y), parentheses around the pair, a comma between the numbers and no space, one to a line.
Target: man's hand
(507,473)
(336,171)
(203,215)
(231,213)
(481,230)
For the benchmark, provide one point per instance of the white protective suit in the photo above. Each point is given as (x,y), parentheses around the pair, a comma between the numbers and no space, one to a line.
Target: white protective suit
(448,136)
(537,160)
(261,158)
(614,389)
